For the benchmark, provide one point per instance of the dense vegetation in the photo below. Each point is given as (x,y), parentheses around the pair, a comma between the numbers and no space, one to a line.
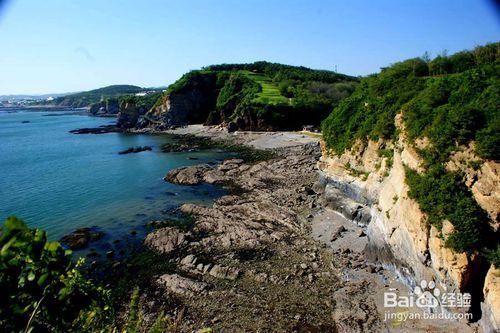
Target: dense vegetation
(43,290)
(85,98)
(451,100)
(112,105)
(264,95)
(455,106)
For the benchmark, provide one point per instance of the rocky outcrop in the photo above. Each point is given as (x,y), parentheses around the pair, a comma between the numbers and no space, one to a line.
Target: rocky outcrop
(261,269)
(96,130)
(370,189)
(80,238)
(134,150)
(180,285)
(491,315)
(110,106)
(128,115)
(165,240)
(191,175)
(192,265)
(486,190)
(190,104)
(482,177)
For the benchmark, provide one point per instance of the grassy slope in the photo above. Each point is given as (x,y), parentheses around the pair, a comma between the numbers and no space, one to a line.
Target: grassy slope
(265,95)
(270,93)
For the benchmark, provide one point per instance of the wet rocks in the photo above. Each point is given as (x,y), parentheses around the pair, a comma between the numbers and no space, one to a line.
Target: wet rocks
(165,240)
(80,238)
(135,150)
(96,130)
(175,147)
(191,175)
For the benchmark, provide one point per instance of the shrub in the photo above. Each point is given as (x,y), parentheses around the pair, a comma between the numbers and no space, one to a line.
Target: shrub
(456,104)
(494,256)
(42,289)
(443,196)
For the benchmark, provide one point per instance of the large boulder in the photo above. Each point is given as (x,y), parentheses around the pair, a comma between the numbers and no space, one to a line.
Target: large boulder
(80,238)
(192,175)
(165,240)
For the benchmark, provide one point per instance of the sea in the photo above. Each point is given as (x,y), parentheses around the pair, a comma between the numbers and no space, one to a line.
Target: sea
(59,181)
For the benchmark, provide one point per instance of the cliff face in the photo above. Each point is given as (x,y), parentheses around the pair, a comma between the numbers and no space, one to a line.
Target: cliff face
(185,106)
(370,189)
(128,115)
(107,107)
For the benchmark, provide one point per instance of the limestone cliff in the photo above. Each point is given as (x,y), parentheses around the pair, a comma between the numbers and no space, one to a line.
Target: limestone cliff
(367,184)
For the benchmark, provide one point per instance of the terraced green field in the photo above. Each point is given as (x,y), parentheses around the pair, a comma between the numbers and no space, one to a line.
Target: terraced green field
(270,93)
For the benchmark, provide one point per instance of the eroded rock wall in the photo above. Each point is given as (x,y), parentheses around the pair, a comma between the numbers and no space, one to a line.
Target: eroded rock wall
(186,106)
(370,189)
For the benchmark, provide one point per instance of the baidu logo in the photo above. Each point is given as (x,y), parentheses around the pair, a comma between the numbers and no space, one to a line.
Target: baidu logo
(427,294)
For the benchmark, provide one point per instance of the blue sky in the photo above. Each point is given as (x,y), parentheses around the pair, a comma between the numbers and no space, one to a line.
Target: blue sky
(62,45)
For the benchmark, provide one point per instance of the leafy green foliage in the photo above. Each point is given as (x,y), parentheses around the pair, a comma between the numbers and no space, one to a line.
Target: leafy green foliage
(235,88)
(134,319)
(458,104)
(443,196)
(451,100)
(280,72)
(494,256)
(269,93)
(142,103)
(265,95)
(42,289)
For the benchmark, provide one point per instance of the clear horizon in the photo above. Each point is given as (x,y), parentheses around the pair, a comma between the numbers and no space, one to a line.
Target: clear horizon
(62,46)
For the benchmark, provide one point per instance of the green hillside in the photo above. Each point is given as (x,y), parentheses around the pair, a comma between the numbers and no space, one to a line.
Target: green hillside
(86,98)
(451,100)
(269,91)
(263,95)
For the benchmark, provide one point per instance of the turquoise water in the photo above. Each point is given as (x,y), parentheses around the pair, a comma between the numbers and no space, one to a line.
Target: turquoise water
(61,181)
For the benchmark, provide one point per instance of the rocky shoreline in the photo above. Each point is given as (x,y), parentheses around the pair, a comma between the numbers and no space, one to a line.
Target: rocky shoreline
(269,257)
